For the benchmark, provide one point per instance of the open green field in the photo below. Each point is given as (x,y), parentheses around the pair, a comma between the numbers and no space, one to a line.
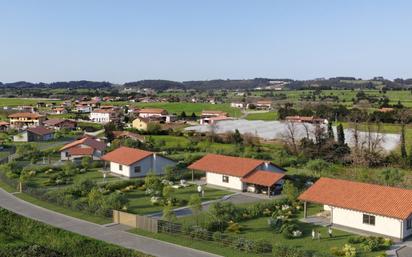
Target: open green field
(178,108)
(24,101)
(267,116)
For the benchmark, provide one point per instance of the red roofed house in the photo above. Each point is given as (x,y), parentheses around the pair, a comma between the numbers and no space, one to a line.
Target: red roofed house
(242,174)
(366,207)
(83,147)
(38,133)
(132,162)
(58,124)
(4,126)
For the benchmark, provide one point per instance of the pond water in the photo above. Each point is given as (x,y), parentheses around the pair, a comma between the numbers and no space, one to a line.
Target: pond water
(277,130)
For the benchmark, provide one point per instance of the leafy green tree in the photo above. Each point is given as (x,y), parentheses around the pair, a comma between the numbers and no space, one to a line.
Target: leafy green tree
(167,193)
(195,204)
(290,191)
(154,128)
(154,186)
(168,213)
(86,162)
(318,166)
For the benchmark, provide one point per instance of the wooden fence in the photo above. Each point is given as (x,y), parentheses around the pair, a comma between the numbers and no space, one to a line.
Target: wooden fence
(136,221)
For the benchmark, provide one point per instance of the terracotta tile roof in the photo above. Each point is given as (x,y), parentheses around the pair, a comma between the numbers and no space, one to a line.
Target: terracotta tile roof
(375,199)
(40,130)
(3,123)
(126,155)
(77,150)
(31,115)
(228,165)
(263,178)
(264,102)
(54,122)
(95,144)
(153,111)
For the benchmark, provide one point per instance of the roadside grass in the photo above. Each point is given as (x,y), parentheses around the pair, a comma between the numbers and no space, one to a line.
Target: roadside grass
(262,116)
(139,202)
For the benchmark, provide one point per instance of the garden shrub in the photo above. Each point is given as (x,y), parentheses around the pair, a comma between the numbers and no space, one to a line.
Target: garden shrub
(263,246)
(217,236)
(233,227)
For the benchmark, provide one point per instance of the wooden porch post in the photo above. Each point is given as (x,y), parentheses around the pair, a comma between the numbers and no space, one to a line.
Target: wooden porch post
(268,191)
(305,210)
(193,175)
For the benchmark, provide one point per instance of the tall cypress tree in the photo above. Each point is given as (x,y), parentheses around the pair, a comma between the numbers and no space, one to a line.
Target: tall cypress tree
(341,134)
(330,131)
(403,144)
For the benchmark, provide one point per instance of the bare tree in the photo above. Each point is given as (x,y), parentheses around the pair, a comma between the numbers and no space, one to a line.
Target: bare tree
(290,136)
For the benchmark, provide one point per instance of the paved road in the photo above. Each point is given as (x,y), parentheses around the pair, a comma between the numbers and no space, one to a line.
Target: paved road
(107,234)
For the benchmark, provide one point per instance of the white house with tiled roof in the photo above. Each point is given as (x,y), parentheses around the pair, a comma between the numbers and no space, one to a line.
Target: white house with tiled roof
(243,174)
(368,208)
(132,162)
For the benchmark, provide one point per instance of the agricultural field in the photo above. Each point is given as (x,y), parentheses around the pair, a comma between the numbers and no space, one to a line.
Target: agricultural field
(178,108)
(12,102)
(267,116)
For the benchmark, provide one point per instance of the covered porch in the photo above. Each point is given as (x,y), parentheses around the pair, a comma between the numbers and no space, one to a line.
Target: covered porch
(264,182)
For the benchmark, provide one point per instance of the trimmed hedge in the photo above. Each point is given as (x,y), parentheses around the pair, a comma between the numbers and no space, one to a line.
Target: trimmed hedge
(52,240)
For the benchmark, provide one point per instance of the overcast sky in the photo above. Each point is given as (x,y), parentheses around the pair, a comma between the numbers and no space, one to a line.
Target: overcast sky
(121,41)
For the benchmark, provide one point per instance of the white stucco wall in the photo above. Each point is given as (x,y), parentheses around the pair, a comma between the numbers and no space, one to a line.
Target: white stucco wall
(154,163)
(383,225)
(216,179)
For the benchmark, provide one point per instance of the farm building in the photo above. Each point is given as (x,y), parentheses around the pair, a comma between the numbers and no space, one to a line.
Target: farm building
(370,208)
(241,174)
(132,162)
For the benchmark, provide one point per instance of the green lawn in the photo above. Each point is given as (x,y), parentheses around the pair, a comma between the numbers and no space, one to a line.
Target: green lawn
(139,202)
(40,179)
(259,229)
(170,141)
(262,116)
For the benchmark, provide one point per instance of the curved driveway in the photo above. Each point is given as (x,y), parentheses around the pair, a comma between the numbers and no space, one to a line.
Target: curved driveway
(121,238)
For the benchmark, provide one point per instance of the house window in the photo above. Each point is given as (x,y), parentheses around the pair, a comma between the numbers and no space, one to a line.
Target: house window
(409,223)
(225,179)
(137,169)
(120,167)
(368,219)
